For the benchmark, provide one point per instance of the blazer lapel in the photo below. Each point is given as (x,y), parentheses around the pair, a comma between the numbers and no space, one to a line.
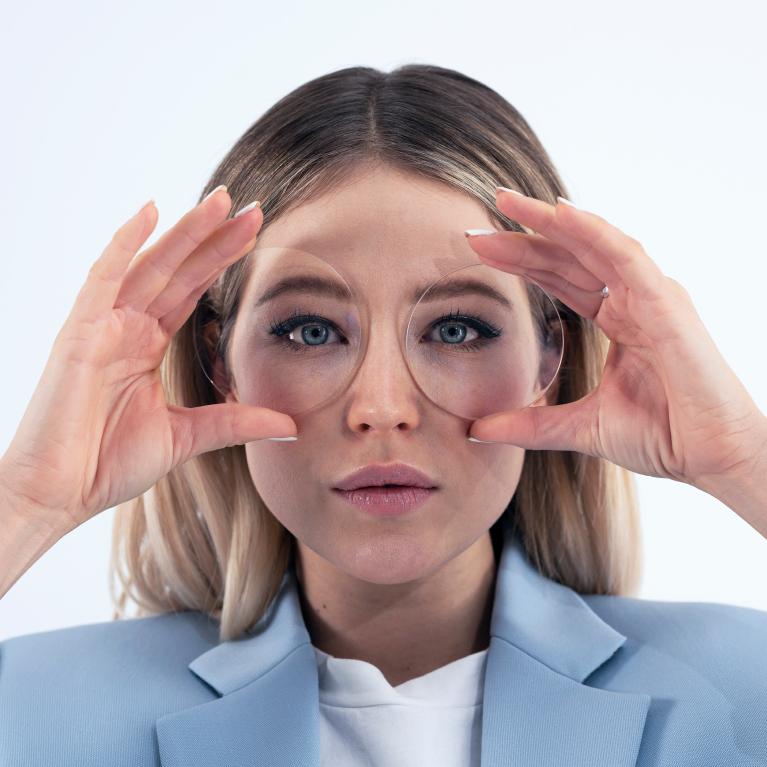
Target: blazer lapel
(545,640)
(269,710)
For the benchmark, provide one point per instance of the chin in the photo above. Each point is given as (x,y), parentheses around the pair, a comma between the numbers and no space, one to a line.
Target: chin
(389,560)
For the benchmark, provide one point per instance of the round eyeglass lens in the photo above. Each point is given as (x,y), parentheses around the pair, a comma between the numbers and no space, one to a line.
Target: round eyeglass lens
(302,333)
(480,341)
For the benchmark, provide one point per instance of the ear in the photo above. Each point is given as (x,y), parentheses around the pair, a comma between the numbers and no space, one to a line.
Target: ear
(222,382)
(550,396)
(210,336)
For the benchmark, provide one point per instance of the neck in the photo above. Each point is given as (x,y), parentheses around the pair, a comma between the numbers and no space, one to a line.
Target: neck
(404,629)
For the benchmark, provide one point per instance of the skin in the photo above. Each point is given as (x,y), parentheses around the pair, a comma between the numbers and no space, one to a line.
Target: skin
(411,593)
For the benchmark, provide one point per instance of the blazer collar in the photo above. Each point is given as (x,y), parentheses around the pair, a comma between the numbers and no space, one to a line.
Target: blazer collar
(545,641)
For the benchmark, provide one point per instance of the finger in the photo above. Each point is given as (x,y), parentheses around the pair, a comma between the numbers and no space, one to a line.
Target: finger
(155,267)
(533,251)
(616,258)
(587,303)
(105,276)
(226,245)
(173,320)
(547,427)
(198,430)
(546,219)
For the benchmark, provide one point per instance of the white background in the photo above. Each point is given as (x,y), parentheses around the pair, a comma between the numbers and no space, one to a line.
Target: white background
(654,113)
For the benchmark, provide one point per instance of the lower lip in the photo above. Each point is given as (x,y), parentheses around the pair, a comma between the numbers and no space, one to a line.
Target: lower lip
(387,501)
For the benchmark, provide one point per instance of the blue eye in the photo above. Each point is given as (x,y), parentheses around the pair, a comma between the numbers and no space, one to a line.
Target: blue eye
(450,331)
(315,331)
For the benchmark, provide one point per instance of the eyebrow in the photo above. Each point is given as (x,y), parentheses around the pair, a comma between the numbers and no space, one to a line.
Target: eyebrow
(305,284)
(331,289)
(462,287)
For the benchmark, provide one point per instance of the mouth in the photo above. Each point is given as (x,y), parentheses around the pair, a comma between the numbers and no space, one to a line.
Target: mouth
(388,499)
(389,476)
(386,489)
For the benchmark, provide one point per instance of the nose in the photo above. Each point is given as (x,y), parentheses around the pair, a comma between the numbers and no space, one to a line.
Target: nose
(383,395)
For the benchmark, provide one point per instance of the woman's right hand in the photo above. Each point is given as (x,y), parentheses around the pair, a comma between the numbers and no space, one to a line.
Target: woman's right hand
(98,430)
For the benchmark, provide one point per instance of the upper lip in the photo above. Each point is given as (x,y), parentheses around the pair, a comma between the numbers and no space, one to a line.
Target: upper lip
(377,474)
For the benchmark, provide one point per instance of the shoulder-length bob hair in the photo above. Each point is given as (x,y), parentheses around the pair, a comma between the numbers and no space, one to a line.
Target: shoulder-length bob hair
(202,538)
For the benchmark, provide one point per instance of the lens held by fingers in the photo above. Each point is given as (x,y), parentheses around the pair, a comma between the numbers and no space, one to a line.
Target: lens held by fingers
(302,332)
(480,341)
(476,341)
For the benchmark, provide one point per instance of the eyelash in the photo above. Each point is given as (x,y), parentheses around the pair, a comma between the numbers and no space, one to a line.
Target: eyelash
(280,328)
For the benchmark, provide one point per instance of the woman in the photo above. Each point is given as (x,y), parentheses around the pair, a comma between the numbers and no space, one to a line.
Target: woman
(279,624)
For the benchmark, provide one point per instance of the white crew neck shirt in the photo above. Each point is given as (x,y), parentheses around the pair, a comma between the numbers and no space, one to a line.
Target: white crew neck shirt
(434,719)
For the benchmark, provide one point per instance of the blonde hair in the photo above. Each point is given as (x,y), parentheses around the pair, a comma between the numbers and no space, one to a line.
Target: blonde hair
(202,538)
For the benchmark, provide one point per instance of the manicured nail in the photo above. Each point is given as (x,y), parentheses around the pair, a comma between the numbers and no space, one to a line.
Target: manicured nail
(247,208)
(475,232)
(210,194)
(283,439)
(506,189)
(567,202)
(486,441)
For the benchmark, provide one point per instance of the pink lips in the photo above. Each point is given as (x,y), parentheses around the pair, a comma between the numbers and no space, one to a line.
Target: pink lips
(365,488)
(378,474)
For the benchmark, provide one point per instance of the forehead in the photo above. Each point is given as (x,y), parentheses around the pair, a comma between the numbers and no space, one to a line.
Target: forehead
(403,226)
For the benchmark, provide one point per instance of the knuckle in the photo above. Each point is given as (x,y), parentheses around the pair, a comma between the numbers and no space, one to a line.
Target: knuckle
(231,426)
(98,273)
(120,244)
(572,272)
(220,253)
(161,267)
(675,284)
(678,290)
(192,240)
(184,442)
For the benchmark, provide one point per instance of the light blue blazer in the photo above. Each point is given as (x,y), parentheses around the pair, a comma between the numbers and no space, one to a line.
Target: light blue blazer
(571,680)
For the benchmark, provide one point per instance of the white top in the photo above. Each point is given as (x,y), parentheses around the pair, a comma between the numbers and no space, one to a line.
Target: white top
(434,719)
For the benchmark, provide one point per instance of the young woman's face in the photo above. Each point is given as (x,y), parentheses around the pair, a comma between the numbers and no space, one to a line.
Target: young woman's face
(388,225)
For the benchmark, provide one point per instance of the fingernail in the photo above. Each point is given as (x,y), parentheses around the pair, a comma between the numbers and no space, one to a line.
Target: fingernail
(486,441)
(567,202)
(506,189)
(474,232)
(210,194)
(247,208)
(283,439)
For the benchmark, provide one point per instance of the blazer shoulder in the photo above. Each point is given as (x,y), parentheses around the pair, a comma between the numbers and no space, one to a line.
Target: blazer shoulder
(170,626)
(722,642)
(83,679)
(150,644)
(669,624)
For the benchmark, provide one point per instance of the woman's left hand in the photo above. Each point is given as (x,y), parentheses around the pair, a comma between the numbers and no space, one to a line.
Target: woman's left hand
(668,405)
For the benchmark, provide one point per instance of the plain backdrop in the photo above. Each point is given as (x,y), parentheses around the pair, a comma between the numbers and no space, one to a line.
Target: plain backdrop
(655,115)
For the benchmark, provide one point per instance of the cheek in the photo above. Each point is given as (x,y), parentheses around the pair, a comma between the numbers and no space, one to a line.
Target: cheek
(494,479)
(283,479)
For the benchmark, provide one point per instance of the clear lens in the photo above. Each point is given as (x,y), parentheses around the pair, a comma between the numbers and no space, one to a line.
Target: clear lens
(477,341)
(301,333)
(480,341)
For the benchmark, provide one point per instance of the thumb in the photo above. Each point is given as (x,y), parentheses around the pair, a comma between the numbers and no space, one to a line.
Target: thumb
(544,427)
(203,428)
